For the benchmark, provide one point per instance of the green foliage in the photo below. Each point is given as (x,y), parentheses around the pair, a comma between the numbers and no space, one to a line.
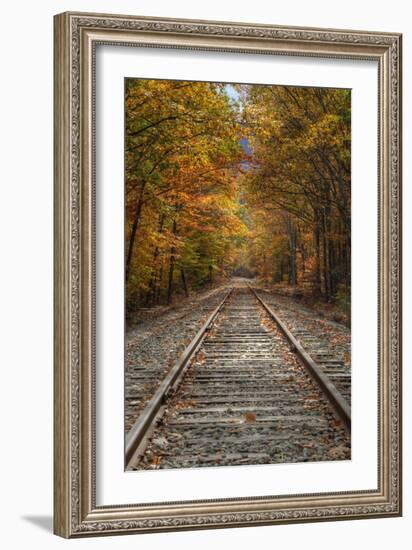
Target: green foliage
(343,301)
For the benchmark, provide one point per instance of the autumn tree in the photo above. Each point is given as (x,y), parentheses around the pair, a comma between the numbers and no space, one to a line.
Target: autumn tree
(182,158)
(299,178)
(260,185)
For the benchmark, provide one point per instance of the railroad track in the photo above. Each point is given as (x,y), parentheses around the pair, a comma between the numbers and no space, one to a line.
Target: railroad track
(314,334)
(245,391)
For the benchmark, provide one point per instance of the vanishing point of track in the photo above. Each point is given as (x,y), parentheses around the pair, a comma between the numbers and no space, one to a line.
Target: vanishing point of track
(245,391)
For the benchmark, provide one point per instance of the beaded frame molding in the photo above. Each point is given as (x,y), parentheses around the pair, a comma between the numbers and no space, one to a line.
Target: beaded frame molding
(75,38)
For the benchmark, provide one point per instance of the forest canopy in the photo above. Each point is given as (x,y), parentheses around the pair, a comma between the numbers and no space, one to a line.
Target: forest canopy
(224,180)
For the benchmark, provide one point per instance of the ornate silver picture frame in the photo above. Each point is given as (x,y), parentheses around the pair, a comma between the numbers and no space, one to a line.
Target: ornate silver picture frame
(77,511)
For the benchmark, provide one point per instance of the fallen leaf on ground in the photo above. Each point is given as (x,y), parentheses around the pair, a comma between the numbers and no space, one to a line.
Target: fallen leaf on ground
(250,417)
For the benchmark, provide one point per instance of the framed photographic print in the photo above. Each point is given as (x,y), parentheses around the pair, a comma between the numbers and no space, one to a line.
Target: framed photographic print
(227,274)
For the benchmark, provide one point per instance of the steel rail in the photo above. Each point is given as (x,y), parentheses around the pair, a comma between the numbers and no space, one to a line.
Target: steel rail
(339,403)
(137,434)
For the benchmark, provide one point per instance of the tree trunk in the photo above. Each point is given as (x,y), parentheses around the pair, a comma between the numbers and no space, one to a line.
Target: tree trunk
(317,285)
(326,263)
(292,241)
(333,275)
(171,267)
(182,274)
(264,268)
(303,258)
(347,255)
(158,287)
(135,225)
(153,280)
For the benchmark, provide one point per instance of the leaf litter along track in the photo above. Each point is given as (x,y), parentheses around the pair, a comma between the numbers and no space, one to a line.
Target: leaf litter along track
(153,346)
(327,342)
(244,399)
